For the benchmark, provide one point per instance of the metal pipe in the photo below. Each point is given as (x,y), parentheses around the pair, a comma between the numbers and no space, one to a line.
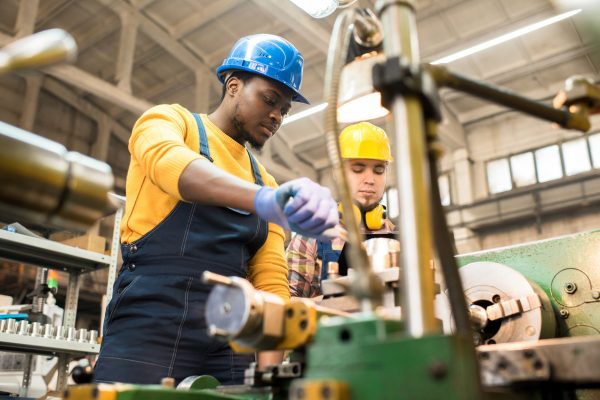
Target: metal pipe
(507,98)
(38,50)
(446,253)
(43,183)
(363,286)
(417,286)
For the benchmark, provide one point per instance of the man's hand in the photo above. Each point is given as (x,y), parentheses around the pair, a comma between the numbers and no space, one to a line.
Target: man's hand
(300,205)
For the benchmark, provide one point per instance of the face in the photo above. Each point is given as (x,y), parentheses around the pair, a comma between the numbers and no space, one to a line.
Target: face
(259,108)
(367,179)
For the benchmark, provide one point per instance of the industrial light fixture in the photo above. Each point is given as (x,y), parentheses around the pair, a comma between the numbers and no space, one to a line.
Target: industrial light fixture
(304,113)
(505,38)
(358,101)
(356,108)
(321,8)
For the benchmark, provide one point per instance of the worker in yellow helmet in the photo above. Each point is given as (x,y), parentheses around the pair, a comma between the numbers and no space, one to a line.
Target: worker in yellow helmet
(365,151)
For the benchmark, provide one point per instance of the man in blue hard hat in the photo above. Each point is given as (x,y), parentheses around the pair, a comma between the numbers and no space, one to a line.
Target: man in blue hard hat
(197,200)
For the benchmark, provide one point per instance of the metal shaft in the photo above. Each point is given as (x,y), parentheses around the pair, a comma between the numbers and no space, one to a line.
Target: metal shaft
(38,50)
(216,279)
(417,288)
(43,183)
(505,97)
(363,287)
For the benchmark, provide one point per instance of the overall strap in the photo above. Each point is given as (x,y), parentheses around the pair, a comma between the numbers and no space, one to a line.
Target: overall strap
(255,171)
(204,150)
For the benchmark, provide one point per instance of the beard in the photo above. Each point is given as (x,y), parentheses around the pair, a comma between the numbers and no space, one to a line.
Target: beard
(364,208)
(240,126)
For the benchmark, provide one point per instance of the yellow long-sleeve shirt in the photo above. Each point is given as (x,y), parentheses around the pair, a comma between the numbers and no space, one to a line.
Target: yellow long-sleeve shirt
(163,143)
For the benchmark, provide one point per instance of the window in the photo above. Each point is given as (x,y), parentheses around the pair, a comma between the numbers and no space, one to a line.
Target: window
(523,169)
(548,164)
(390,200)
(444,184)
(544,164)
(576,156)
(498,176)
(595,149)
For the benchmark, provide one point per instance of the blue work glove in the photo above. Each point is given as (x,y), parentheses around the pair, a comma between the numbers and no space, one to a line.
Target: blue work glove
(301,205)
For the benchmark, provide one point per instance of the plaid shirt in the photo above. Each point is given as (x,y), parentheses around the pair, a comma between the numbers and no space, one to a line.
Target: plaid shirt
(304,266)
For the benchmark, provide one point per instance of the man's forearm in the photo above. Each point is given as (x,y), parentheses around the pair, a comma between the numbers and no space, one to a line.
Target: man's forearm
(205,183)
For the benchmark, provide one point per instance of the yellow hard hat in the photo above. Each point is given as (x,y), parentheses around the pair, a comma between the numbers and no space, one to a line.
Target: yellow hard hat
(365,140)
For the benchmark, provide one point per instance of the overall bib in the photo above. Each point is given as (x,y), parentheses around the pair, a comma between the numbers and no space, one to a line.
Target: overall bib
(154,325)
(327,254)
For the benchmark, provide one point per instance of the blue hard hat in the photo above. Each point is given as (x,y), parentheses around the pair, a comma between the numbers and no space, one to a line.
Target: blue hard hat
(267,55)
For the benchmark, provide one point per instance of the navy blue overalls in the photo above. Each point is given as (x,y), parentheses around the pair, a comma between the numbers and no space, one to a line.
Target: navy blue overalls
(155,325)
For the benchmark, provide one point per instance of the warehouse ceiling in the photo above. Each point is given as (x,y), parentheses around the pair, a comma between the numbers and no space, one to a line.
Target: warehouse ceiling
(136,53)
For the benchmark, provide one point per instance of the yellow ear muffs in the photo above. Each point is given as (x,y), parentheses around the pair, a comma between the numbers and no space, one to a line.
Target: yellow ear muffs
(375,218)
(372,219)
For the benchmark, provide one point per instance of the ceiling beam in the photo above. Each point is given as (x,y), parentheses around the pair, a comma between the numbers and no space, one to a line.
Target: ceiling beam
(281,173)
(26,17)
(124,66)
(275,27)
(163,38)
(92,84)
(54,8)
(100,147)
(298,21)
(98,87)
(159,35)
(141,4)
(436,7)
(182,79)
(86,107)
(311,143)
(197,20)
(30,101)
(93,35)
(280,147)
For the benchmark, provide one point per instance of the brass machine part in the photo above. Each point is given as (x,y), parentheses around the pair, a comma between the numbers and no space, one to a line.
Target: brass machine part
(579,96)
(43,183)
(102,391)
(319,389)
(253,320)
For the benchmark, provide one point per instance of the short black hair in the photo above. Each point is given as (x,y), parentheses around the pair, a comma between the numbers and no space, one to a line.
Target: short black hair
(244,76)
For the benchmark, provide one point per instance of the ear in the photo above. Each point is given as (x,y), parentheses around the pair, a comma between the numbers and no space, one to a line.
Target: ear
(233,85)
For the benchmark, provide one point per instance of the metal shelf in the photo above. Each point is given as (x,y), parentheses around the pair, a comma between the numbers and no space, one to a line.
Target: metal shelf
(41,345)
(49,254)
